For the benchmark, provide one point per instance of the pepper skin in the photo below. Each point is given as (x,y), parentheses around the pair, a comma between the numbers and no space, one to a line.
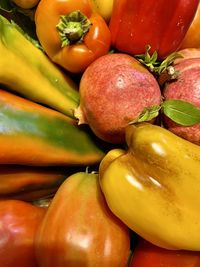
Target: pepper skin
(27,70)
(19,221)
(147,255)
(71,33)
(26,4)
(30,183)
(135,24)
(104,8)
(192,37)
(79,230)
(154,186)
(31,134)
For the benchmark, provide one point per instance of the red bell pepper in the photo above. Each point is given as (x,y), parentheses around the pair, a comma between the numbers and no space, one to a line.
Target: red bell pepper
(160,24)
(149,255)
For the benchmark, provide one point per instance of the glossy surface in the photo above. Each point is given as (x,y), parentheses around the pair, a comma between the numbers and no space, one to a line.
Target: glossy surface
(159,175)
(79,229)
(135,24)
(32,134)
(148,255)
(192,37)
(104,8)
(75,57)
(19,223)
(26,4)
(30,183)
(21,62)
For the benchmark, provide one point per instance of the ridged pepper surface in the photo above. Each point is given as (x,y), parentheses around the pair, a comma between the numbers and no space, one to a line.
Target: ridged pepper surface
(79,230)
(71,33)
(154,186)
(135,24)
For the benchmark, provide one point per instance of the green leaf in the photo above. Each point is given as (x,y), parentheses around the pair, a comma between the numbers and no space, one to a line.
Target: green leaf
(148,60)
(152,62)
(167,62)
(147,114)
(181,112)
(22,19)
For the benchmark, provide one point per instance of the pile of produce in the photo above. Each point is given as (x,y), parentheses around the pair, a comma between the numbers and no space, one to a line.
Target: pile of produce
(99,133)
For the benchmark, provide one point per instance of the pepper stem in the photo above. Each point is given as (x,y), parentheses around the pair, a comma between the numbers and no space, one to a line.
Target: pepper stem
(73,27)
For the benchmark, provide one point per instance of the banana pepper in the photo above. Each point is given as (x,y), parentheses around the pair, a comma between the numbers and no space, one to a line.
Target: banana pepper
(154,186)
(27,71)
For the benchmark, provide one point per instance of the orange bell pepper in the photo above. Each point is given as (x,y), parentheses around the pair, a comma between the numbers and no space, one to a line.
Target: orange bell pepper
(71,33)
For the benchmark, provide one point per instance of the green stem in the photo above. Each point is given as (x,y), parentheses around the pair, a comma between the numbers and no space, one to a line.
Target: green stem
(73,27)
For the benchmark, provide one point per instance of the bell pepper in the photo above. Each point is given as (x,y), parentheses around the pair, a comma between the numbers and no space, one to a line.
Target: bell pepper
(20,221)
(153,187)
(79,230)
(104,8)
(135,24)
(26,4)
(146,254)
(192,37)
(71,33)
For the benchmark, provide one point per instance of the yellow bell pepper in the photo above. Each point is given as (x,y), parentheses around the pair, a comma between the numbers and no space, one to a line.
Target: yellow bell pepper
(154,186)
(103,7)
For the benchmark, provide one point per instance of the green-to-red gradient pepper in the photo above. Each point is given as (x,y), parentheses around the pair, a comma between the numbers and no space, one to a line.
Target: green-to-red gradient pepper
(160,24)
